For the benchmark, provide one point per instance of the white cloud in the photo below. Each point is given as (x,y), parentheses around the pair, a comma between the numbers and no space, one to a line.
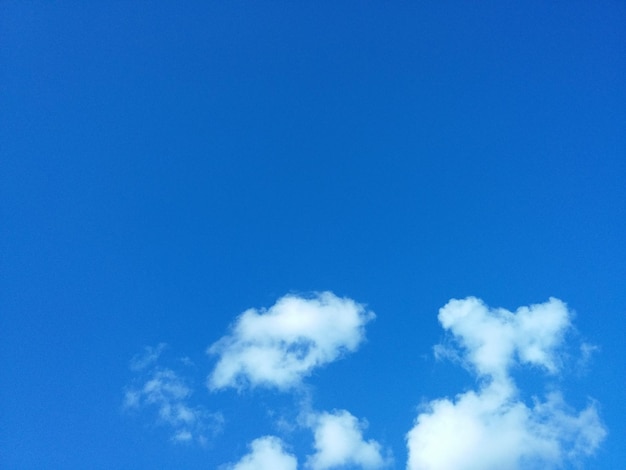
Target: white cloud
(163,390)
(280,346)
(494,338)
(339,442)
(492,428)
(147,358)
(586,354)
(266,453)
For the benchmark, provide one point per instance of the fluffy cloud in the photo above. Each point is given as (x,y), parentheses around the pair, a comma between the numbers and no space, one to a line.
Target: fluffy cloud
(494,338)
(163,390)
(339,442)
(266,453)
(491,428)
(281,345)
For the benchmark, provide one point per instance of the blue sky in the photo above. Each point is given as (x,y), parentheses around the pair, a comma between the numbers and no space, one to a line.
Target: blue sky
(341,172)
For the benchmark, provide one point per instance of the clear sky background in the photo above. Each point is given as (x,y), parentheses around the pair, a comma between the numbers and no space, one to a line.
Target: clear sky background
(164,168)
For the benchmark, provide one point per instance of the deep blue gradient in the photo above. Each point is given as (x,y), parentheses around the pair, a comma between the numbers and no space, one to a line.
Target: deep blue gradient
(165,167)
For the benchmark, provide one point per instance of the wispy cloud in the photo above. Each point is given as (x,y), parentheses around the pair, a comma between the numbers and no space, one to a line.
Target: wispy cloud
(266,452)
(164,391)
(279,346)
(492,428)
(147,358)
(339,443)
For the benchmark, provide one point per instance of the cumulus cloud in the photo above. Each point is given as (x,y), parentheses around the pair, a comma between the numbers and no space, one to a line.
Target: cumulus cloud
(493,339)
(492,428)
(339,442)
(266,453)
(279,346)
(166,392)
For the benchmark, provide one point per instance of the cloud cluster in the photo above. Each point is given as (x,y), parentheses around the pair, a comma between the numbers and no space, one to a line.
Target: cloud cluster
(338,443)
(492,428)
(280,346)
(166,392)
(277,348)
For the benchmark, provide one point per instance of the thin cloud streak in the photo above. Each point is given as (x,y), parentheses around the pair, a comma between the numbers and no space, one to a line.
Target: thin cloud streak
(164,391)
(147,358)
